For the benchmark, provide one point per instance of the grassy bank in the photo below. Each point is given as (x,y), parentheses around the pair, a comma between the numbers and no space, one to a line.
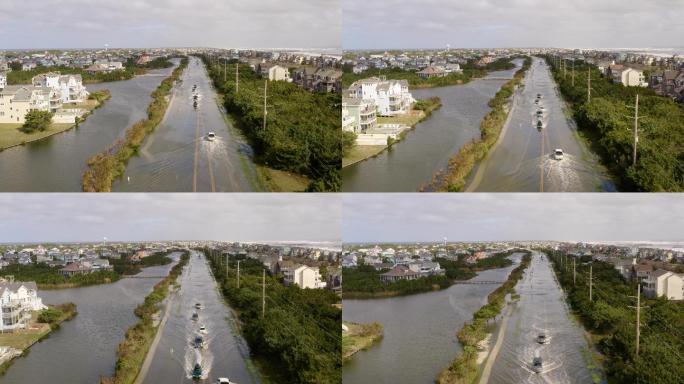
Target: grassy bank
(11,135)
(359,337)
(106,166)
(462,163)
(132,351)
(47,277)
(463,370)
(363,282)
(42,323)
(298,338)
(421,110)
(610,320)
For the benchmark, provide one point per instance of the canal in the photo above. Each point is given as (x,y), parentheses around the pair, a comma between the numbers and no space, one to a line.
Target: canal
(427,148)
(84,348)
(56,164)
(541,308)
(523,151)
(419,331)
(226,354)
(178,157)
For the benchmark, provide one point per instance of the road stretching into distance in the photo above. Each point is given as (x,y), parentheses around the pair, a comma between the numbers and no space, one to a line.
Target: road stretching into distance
(515,163)
(178,157)
(541,307)
(419,335)
(57,163)
(427,148)
(226,354)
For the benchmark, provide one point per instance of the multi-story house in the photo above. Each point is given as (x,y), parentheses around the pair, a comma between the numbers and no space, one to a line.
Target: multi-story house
(361,115)
(17,100)
(391,97)
(17,301)
(668,83)
(307,277)
(629,77)
(3,80)
(664,283)
(69,87)
(274,72)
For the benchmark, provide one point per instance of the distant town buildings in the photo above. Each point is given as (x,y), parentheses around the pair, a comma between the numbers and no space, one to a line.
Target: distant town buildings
(668,83)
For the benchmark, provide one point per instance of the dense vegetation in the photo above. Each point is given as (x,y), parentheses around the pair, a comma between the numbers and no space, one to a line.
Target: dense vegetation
(49,277)
(606,122)
(462,163)
(126,267)
(130,69)
(302,131)
(470,71)
(612,323)
(106,166)
(132,351)
(463,369)
(56,314)
(364,281)
(299,336)
(36,120)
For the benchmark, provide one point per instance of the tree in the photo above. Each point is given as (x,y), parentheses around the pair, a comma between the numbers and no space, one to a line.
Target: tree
(348,142)
(37,120)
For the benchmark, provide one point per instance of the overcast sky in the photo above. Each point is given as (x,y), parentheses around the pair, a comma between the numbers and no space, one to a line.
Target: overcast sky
(515,216)
(512,23)
(166,216)
(170,23)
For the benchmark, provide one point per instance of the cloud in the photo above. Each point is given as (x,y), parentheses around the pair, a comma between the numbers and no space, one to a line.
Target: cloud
(158,23)
(516,23)
(168,216)
(515,216)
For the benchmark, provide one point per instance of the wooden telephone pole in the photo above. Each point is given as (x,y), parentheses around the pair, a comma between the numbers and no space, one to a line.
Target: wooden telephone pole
(263,293)
(265,98)
(588,85)
(635,130)
(237,78)
(238,275)
(574,272)
(638,315)
(591,283)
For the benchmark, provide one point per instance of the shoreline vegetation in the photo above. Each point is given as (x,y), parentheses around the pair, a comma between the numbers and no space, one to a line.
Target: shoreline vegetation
(136,344)
(359,337)
(108,165)
(421,110)
(609,320)
(460,165)
(11,135)
(470,72)
(301,134)
(298,339)
(464,368)
(43,323)
(363,282)
(607,125)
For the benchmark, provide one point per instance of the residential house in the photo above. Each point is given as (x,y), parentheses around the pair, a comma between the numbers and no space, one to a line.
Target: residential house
(327,80)
(399,272)
(69,87)
(17,301)
(274,72)
(665,283)
(391,97)
(306,277)
(431,71)
(665,83)
(642,272)
(629,77)
(3,80)
(17,100)
(76,268)
(358,115)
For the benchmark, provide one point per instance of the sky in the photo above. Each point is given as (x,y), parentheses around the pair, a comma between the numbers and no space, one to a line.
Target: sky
(399,217)
(250,217)
(170,23)
(380,24)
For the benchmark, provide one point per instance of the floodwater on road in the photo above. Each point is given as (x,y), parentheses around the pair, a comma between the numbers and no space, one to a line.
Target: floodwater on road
(427,148)
(419,337)
(226,354)
(179,157)
(523,150)
(541,309)
(56,163)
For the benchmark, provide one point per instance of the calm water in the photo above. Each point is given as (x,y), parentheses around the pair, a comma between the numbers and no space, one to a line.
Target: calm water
(419,331)
(427,148)
(541,307)
(57,163)
(515,164)
(226,354)
(177,157)
(84,348)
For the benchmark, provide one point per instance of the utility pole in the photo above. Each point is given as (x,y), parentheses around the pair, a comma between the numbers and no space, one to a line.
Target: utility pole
(574,272)
(265,97)
(238,274)
(638,315)
(588,85)
(263,293)
(237,79)
(636,128)
(591,283)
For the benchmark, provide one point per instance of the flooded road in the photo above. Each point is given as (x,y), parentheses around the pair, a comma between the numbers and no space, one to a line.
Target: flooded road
(419,331)
(226,354)
(179,157)
(427,148)
(541,309)
(523,150)
(56,164)
(84,348)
